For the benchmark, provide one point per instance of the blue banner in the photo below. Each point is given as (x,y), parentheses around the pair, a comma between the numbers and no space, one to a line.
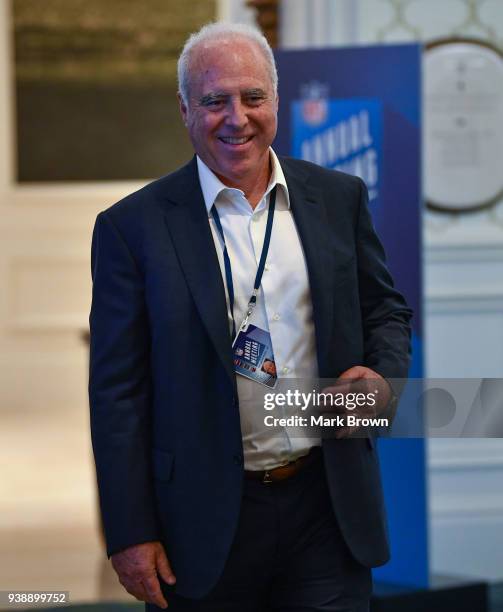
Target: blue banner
(358,110)
(344,135)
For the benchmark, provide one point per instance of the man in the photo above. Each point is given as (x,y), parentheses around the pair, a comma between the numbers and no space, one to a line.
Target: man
(203,507)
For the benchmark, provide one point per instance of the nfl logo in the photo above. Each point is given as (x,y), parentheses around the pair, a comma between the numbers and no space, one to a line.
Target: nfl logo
(314,103)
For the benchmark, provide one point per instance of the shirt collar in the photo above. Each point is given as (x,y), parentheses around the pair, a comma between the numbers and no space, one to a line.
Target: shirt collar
(212,186)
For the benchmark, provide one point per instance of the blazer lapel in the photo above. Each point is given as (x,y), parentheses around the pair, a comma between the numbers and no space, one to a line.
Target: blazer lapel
(309,212)
(187,222)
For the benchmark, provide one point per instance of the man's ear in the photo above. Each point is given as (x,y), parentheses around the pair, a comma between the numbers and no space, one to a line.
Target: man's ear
(277,103)
(183,108)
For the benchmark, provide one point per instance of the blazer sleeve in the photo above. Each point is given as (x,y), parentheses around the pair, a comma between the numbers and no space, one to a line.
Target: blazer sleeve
(384,312)
(120,391)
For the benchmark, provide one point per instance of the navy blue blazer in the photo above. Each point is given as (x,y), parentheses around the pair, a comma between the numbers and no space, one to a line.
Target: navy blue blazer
(164,408)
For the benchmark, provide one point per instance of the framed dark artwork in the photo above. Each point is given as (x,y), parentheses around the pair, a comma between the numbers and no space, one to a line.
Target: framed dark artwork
(95,87)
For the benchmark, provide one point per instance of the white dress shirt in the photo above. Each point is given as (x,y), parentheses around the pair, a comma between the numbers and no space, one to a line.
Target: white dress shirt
(283,307)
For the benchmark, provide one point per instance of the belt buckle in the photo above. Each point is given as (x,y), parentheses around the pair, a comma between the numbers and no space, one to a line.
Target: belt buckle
(267,477)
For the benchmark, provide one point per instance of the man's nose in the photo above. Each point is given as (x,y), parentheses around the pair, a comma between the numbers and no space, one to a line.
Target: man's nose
(237,116)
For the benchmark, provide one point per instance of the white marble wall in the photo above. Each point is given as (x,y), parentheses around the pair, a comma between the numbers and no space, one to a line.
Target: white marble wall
(463,281)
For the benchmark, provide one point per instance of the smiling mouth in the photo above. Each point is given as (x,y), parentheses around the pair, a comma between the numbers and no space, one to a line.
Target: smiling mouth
(235,141)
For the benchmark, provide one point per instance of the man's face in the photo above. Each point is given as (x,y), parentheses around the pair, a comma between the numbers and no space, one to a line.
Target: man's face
(232,108)
(269,367)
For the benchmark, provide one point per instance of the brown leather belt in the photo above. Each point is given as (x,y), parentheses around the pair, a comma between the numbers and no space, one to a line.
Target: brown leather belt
(288,470)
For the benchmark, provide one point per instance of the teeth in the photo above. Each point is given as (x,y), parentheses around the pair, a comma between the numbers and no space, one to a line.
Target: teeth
(235,141)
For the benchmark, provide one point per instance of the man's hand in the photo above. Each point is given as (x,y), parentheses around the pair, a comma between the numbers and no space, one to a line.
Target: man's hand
(137,568)
(360,379)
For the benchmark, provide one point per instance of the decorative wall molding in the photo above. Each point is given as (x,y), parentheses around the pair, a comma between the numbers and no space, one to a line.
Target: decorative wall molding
(482,240)
(476,510)
(470,253)
(478,303)
(460,455)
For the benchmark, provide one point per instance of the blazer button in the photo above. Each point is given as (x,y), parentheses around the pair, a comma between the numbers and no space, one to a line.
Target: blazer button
(238,460)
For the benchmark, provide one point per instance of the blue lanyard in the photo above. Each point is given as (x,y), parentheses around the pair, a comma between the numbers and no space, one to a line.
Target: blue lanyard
(260,270)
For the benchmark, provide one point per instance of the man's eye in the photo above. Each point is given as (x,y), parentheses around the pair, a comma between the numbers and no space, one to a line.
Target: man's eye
(255,99)
(212,103)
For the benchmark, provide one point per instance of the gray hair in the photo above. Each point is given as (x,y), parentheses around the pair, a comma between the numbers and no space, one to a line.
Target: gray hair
(222,31)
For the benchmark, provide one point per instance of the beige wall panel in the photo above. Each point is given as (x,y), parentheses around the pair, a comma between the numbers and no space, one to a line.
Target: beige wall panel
(47,293)
(37,380)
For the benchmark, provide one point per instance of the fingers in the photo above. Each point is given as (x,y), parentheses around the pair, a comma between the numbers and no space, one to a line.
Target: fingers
(153,591)
(360,372)
(354,373)
(134,588)
(137,568)
(346,432)
(145,588)
(362,380)
(164,568)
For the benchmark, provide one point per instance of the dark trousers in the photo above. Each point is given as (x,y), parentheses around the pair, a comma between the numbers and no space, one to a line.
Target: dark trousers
(288,555)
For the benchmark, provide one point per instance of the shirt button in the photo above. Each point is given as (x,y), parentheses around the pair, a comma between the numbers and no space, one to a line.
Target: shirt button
(276,317)
(285,370)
